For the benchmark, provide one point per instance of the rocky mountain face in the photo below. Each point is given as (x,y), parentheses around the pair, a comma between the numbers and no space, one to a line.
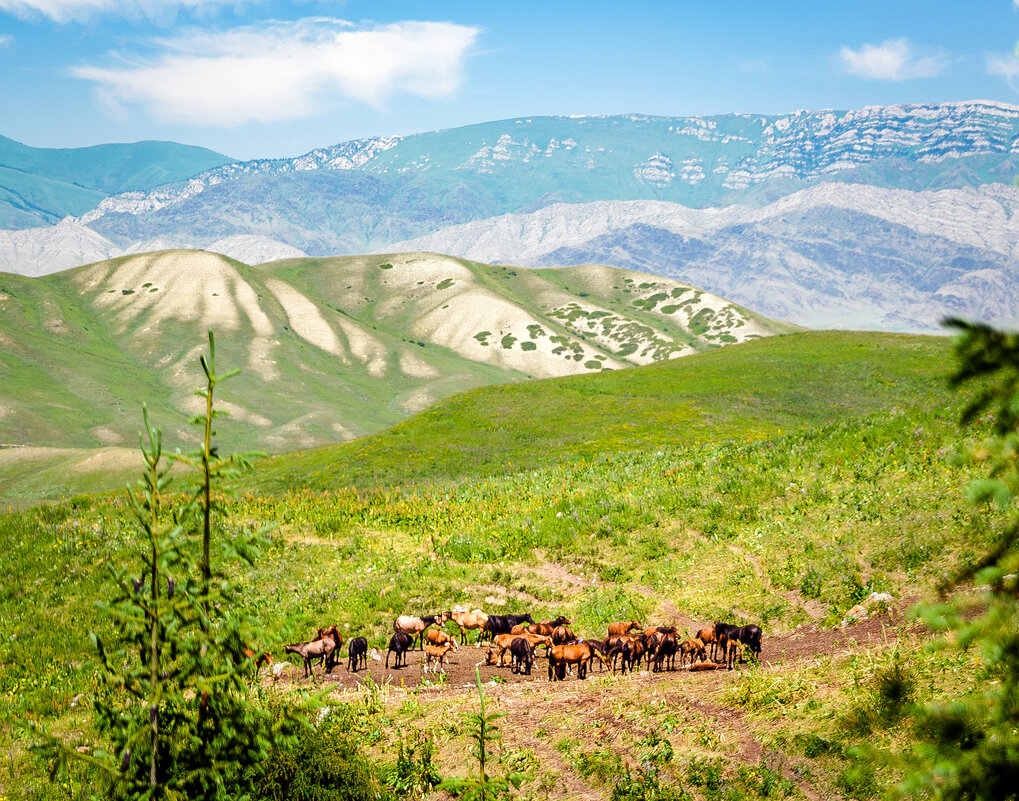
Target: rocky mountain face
(824,218)
(835,255)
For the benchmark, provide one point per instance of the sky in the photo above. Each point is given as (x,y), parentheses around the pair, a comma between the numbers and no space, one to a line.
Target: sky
(266,78)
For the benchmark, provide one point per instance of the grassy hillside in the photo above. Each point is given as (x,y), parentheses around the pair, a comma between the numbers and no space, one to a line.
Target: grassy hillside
(331,348)
(39,186)
(778,481)
(749,392)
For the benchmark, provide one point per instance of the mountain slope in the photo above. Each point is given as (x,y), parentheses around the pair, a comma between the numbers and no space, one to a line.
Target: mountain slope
(435,179)
(691,160)
(756,390)
(834,255)
(331,348)
(39,186)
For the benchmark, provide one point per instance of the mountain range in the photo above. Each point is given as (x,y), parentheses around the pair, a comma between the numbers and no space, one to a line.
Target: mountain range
(40,186)
(881,217)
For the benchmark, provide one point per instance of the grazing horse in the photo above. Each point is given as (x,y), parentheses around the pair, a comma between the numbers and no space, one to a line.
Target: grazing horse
(399,644)
(546,627)
(707,636)
(578,653)
(562,635)
(624,628)
(503,624)
(415,626)
(331,631)
(749,635)
(474,620)
(357,653)
(666,653)
(693,649)
(633,652)
(522,655)
(311,651)
(260,660)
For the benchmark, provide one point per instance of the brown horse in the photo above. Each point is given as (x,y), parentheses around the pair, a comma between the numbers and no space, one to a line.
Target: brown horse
(579,654)
(624,628)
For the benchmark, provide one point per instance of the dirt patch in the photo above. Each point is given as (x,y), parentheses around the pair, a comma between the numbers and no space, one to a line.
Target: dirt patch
(812,642)
(550,570)
(802,645)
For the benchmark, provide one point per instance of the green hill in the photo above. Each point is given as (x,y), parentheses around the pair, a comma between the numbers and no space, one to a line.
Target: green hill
(331,348)
(750,392)
(39,186)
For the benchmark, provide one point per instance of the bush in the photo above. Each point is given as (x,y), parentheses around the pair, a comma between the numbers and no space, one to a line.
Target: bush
(414,774)
(322,765)
(643,785)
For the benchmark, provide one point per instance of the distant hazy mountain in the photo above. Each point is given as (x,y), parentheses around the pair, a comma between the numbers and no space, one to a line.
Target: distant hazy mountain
(365,194)
(40,186)
(331,348)
(835,255)
(854,226)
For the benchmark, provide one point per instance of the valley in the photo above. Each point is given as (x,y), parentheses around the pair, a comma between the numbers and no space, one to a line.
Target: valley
(741,483)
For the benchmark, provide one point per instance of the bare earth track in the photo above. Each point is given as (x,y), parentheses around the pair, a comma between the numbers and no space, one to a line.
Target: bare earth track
(541,714)
(804,645)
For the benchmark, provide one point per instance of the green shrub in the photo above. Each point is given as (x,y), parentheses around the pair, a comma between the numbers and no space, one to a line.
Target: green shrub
(859,780)
(643,785)
(814,746)
(414,774)
(324,764)
(602,764)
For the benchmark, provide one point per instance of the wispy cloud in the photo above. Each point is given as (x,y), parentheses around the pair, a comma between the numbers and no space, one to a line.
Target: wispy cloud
(893,60)
(287,70)
(67,10)
(756,65)
(1007,66)
(6,40)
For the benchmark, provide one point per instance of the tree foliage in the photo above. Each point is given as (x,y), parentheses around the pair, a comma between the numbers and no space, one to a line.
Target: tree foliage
(175,706)
(482,729)
(969,748)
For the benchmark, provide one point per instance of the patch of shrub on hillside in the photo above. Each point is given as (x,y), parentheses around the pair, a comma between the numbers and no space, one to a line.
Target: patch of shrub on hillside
(324,764)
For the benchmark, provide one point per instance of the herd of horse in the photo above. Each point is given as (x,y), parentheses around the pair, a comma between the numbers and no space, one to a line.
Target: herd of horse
(629,645)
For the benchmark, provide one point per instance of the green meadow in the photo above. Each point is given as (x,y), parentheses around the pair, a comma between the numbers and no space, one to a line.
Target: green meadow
(778,482)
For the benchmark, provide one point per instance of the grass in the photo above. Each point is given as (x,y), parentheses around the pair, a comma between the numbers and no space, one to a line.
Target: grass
(777,482)
(74,372)
(752,391)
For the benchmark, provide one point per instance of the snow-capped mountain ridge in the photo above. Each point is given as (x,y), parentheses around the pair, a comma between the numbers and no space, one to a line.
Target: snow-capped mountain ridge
(806,146)
(343,156)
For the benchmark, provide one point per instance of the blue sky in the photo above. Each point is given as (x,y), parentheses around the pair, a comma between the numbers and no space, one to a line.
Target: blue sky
(272,78)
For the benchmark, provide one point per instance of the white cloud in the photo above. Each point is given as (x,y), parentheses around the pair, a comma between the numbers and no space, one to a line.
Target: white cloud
(6,40)
(1006,66)
(66,10)
(286,70)
(892,60)
(757,65)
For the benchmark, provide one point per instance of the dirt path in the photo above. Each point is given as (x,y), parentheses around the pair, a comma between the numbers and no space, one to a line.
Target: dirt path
(598,717)
(806,644)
